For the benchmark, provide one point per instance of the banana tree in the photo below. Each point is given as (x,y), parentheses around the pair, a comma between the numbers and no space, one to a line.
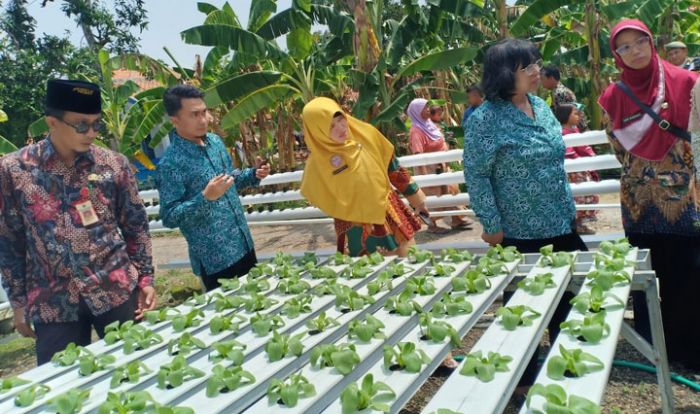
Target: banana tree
(5,145)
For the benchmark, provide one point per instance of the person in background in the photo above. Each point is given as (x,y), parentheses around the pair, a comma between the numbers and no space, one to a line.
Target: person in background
(75,253)
(426,137)
(198,189)
(659,192)
(677,54)
(569,116)
(475,97)
(559,93)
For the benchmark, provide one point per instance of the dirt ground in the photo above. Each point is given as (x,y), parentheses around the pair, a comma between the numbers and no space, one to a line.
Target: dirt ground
(269,239)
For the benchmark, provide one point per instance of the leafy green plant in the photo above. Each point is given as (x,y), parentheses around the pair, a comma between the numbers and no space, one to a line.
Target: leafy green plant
(262,324)
(130,372)
(341,259)
(34,392)
(398,269)
(90,363)
(293,286)
(456,256)
(137,402)
(228,285)
(442,270)
(323,272)
(537,284)
(70,402)
(506,254)
(415,255)
(365,330)
(343,357)
(573,363)
(472,282)
(437,331)
(195,300)
(224,302)
(592,328)
(491,266)
(8,384)
(287,270)
(176,373)
(616,264)
(309,257)
(450,305)
(139,337)
(257,302)
(618,249)
(152,317)
(328,287)
(192,318)
(297,305)
(349,299)
(282,258)
(518,315)
(421,284)
(284,345)
(406,356)
(484,367)
(558,259)
(558,403)
(259,270)
(289,391)
(255,285)
(370,395)
(402,304)
(70,355)
(596,300)
(230,351)
(227,379)
(231,323)
(185,344)
(607,279)
(357,270)
(383,281)
(320,323)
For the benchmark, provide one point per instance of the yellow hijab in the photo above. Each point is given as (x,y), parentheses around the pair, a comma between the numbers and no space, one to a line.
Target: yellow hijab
(347,181)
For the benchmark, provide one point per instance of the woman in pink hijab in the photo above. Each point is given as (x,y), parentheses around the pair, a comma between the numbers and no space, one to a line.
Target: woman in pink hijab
(649,111)
(425,136)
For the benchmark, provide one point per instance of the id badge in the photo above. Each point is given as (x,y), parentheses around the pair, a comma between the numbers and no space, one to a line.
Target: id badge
(87,213)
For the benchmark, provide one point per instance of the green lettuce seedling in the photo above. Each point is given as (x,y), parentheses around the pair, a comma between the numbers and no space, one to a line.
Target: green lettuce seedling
(371,395)
(297,305)
(472,282)
(456,256)
(227,380)
(596,300)
(321,323)
(289,392)
(365,330)
(70,402)
(229,351)
(406,355)
(437,331)
(130,372)
(284,345)
(572,362)
(450,305)
(485,367)
(592,328)
(230,323)
(262,324)
(176,373)
(34,392)
(185,344)
(343,357)
(514,316)
(537,284)
(558,403)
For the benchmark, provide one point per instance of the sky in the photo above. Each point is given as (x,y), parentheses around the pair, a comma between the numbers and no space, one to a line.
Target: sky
(167,18)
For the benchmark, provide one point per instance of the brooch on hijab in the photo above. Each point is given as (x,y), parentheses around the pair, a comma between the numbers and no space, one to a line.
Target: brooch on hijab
(338,163)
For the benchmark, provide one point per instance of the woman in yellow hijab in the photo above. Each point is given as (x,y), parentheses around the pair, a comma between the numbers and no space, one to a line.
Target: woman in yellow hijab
(349,176)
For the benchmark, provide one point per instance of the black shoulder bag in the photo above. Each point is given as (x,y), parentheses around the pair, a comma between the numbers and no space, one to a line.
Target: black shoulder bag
(662,123)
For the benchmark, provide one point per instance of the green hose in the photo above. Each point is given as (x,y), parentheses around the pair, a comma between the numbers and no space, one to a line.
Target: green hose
(648,368)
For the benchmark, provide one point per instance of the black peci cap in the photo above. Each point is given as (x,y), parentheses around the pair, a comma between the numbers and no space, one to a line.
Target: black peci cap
(73,96)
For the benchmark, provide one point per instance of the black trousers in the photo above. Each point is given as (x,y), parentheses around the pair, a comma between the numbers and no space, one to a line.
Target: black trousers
(238,269)
(54,337)
(676,261)
(567,242)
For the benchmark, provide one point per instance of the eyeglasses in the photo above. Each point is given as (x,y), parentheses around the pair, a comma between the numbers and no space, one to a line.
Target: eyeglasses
(637,44)
(83,127)
(532,68)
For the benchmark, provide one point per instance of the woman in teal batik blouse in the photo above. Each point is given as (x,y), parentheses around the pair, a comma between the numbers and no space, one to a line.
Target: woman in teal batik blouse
(514,166)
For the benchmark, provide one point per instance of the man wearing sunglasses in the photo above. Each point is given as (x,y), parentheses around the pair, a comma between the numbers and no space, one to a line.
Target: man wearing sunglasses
(75,253)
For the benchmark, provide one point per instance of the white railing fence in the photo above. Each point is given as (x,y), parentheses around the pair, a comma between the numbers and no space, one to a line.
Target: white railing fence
(312,215)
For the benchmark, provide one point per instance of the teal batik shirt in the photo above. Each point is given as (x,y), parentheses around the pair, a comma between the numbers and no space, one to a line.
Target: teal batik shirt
(514,169)
(216,231)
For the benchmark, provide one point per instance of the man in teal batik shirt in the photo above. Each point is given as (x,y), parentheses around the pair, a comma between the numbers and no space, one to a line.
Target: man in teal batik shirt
(198,191)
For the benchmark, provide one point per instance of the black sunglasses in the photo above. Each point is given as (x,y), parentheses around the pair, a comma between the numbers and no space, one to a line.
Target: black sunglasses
(84,127)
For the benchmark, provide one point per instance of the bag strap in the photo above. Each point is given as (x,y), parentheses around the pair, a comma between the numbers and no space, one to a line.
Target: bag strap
(662,123)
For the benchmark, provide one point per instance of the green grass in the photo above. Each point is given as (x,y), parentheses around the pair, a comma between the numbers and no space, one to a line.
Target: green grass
(172,287)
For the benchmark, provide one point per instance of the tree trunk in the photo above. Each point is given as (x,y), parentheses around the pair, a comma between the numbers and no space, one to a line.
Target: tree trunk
(593,24)
(281,142)
(364,41)
(502,18)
